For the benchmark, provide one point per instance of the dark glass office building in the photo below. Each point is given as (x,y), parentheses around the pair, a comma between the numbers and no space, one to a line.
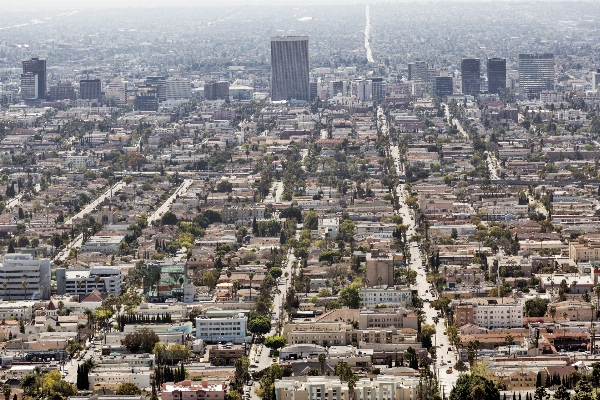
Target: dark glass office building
(471,81)
(496,74)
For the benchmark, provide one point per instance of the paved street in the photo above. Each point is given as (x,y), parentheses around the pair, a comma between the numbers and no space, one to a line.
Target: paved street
(90,207)
(182,189)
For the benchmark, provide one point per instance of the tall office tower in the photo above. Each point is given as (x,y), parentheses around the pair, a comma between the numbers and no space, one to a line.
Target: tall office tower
(313,87)
(33,79)
(116,90)
(289,68)
(418,71)
(496,74)
(378,88)
(596,79)
(443,86)
(90,89)
(160,83)
(216,90)
(471,81)
(178,88)
(146,99)
(536,72)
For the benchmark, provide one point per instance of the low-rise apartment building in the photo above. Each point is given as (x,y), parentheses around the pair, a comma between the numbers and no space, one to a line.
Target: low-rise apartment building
(489,313)
(222,329)
(84,281)
(188,390)
(373,296)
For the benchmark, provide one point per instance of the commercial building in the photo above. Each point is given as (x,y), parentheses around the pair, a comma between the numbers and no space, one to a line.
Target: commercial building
(289,68)
(496,74)
(536,72)
(159,83)
(471,81)
(33,79)
(90,89)
(241,93)
(387,318)
(25,277)
(146,99)
(178,88)
(84,281)
(103,244)
(226,329)
(418,72)
(61,91)
(116,90)
(596,79)
(443,86)
(216,90)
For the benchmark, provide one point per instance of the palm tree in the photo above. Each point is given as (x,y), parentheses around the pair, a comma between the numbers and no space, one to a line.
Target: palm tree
(552,311)
(379,279)
(97,280)
(251,276)
(24,286)
(509,340)
(322,359)
(5,286)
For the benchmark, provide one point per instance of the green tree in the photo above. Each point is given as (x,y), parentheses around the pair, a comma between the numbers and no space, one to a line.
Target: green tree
(144,340)
(536,307)
(350,296)
(311,220)
(541,394)
(128,389)
(224,186)
(474,387)
(259,325)
(168,218)
(562,393)
(346,231)
(275,342)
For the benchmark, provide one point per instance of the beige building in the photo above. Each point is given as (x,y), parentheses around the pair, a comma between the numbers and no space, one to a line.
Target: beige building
(586,248)
(387,318)
(188,390)
(576,310)
(341,334)
(383,387)
(380,265)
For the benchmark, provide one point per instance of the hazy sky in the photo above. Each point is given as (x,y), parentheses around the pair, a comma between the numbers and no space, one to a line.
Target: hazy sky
(82,4)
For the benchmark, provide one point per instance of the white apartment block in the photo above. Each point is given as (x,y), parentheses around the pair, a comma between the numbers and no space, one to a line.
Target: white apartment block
(103,244)
(79,162)
(498,316)
(178,88)
(228,329)
(84,281)
(373,296)
(112,380)
(19,268)
(383,387)
(16,309)
(241,214)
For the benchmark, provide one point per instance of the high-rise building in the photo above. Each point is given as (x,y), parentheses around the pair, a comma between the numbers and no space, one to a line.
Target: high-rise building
(146,99)
(61,91)
(216,90)
(378,88)
(90,89)
(313,89)
(33,79)
(178,88)
(26,277)
(418,72)
(117,91)
(496,74)
(471,81)
(289,68)
(160,83)
(536,72)
(596,79)
(443,86)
